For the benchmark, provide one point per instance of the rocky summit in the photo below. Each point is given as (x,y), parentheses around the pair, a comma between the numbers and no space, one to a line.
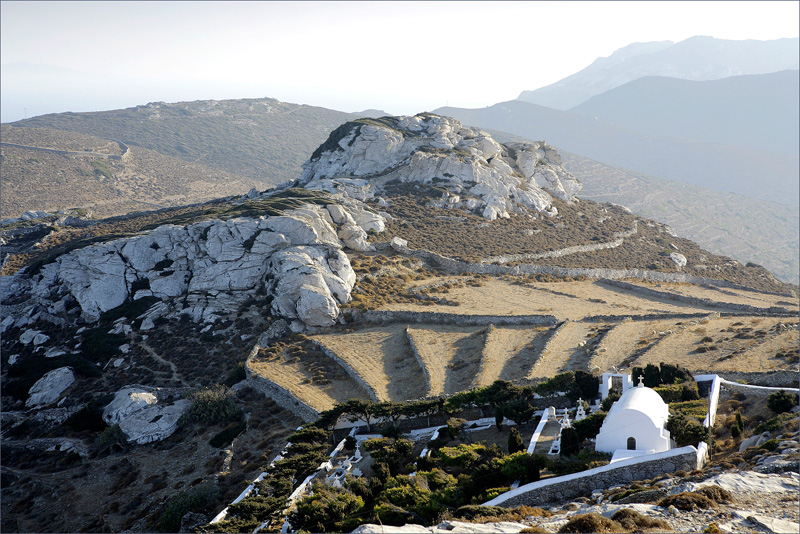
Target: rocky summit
(474,171)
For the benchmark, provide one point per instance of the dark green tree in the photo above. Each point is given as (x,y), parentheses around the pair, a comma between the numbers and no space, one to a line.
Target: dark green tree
(570,444)
(685,431)
(498,418)
(585,386)
(515,443)
(520,411)
(360,410)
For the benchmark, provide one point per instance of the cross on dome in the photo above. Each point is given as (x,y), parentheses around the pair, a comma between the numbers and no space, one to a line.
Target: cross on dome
(641,382)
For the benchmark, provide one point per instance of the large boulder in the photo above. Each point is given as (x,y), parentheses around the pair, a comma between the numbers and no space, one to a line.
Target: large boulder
(127,401)
(154,422)
(49,388)
(142,417)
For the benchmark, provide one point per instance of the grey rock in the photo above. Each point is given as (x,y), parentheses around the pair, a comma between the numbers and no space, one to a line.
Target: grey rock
(49,388)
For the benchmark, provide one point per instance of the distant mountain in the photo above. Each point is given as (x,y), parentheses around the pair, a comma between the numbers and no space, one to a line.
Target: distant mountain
(757,111)
(258,138)
(697,58)
(743,170)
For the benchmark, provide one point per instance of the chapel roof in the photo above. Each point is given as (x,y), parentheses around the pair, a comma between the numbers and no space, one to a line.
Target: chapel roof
(645,400)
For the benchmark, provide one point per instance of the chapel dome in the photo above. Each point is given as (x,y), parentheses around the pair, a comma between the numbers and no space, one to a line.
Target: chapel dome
(645,400)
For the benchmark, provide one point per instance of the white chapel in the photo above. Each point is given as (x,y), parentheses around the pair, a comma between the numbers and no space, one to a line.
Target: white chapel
(635,424)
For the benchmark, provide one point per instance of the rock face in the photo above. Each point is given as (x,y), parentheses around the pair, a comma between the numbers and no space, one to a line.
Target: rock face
(49,388)
(211,267)
(141,417)
(473,170)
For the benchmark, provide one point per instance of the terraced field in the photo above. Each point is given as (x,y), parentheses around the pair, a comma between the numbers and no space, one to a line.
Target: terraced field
(603,327)
(384,358)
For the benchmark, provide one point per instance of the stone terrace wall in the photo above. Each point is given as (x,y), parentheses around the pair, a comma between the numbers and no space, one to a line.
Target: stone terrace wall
(567,487)
(694,301)
(379,316)
(457,267)
(578,249)
(283,397)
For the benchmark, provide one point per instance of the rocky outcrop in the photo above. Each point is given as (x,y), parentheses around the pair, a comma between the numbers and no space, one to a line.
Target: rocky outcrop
(473,171)
(141,417)
(49,388)
(208,269)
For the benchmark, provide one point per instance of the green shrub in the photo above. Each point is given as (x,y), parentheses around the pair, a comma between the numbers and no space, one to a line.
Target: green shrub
(782,401)
(226,436)
(393,515)
(770,445)
(559,383)
(685,431)
(609,401)
(774,424)
(462,455)
(570,444)
(192,500)
(210,405)
(589,428)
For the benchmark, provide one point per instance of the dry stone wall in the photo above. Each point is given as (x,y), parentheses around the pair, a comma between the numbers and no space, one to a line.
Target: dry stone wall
(382,317)
(282,397)
(695,301)
(619,238)
(457,267)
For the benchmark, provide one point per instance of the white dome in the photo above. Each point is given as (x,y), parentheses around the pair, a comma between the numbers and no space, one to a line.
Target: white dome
(645,400)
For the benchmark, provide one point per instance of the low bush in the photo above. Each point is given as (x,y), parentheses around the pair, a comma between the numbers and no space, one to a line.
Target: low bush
(226,436)
(637,522)
(192,500)
(770,445)
(214,404)
(688,501)
(591,522)
(716,494)
(782,401)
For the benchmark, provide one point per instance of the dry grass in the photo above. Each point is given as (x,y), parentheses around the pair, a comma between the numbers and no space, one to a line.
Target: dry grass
(451,355)
(510,352)
(310,375)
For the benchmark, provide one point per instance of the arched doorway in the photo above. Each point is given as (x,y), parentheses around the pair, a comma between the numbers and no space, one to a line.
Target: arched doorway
(631,444)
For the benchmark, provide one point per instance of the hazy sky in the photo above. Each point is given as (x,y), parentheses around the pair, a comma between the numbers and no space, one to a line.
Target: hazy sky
(401,57)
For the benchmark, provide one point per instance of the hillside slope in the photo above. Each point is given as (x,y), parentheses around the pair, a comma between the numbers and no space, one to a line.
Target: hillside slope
(167,356)
(746,229)
(142,180)
(260,139)
(696,58)
(715,166)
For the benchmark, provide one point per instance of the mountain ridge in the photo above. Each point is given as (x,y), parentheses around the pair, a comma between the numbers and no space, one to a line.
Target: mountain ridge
(758,110)
(697,58)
